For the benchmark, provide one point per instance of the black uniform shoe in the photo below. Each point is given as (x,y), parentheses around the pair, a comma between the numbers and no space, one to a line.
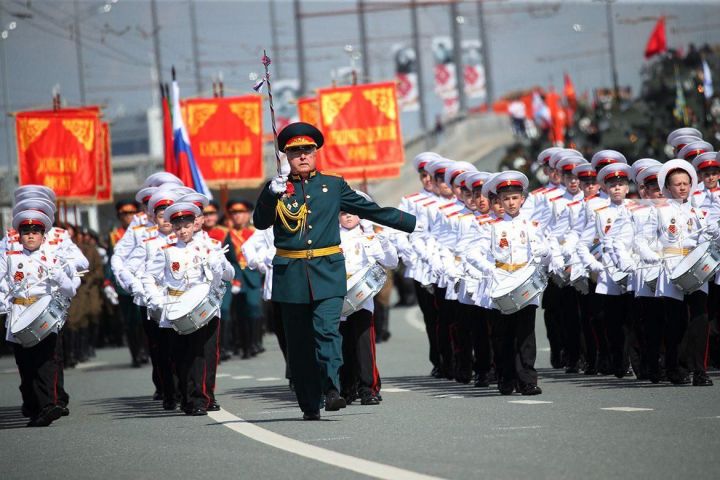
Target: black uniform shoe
(378,396)
(506,388)
(169,405)
(369,399)
(530,389)
(64,411)
(198,412)
(701,379)
(654,377)
(157,395)
(591,371)
(333,401)
(46,416)
(136,363)
(225,356)
(677,378)
(436,373)
(556,360)
(481,380)
(311,415)
(26,412)
(214,406)
(572,368)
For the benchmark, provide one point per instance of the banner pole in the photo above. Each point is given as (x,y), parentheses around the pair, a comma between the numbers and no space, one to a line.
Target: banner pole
(266,62)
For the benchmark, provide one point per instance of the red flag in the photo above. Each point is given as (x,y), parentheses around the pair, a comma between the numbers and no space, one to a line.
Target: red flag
(657,43)
(570,98)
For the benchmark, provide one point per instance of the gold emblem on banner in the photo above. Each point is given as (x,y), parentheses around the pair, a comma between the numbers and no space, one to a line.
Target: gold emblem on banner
(198,114)
(332,104)
(30,129)
(249,114)
(83,130)
(382,99)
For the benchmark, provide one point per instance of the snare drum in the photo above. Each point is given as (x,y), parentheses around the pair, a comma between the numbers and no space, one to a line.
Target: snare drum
(195,308)
(362,286)
(39,320)
(696,268)
(519,289)
(579,280)
(650,277)
(620,278)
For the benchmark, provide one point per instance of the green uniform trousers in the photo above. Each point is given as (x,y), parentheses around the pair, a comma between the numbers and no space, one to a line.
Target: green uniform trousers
(314,348)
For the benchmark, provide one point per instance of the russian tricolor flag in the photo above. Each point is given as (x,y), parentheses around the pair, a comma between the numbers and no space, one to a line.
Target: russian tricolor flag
(183,152)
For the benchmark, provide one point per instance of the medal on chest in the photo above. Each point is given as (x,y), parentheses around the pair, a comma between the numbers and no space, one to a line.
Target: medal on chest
(503,240)
(608,225)
(672,228)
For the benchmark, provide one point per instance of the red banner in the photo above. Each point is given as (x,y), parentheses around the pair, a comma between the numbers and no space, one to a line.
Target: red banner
(226,139)
(104,166)
(361,127)
(59,149)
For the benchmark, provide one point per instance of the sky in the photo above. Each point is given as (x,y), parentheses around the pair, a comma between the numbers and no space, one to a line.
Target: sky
(530,43)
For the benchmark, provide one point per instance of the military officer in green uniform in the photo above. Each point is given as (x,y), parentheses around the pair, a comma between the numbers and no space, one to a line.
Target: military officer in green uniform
(309,279)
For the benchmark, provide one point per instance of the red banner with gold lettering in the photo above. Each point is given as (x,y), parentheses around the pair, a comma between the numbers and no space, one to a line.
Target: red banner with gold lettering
(104,166)
(226,139)
(59,149)
(362,133)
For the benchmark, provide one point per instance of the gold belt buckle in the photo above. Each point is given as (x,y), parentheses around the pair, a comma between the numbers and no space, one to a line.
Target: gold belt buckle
(309,254)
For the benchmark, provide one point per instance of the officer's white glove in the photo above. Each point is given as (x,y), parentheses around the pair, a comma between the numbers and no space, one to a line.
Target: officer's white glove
(155,303)
(111,294)
(235,287)
(57,275)
(419,227)
(278,185)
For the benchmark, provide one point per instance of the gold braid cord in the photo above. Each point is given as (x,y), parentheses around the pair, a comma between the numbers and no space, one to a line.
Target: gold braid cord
(287,216)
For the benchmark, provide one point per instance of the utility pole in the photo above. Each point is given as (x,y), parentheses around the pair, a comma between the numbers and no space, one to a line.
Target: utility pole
(156,40)
(300,45)
(274,37)
(457,56)
(195,50)
(611,47)
(418,63)
(485,51)
(6,105)
(363,40)
(78,52)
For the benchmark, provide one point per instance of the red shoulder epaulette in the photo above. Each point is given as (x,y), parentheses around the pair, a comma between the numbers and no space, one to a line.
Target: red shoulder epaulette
(555,198)
(715,189)
(698,192)
(428,203)
(168,246)
(447,205)
(601,208)
(412,195)
(453,214)
(58,229)
(53,242)
(13,252)
(148,239)
(496,220)
(153,228)
(138,227)
(574,203)
(591,197)
(538,190)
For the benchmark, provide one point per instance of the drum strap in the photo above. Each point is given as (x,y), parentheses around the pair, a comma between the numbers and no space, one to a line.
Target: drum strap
(308,254)
(175,293)
(510,267)
(24,301)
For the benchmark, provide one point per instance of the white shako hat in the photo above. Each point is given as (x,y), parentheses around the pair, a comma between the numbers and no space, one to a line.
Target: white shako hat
(508,178)
(606,157)
(31,217)
(676,164)
(614,170)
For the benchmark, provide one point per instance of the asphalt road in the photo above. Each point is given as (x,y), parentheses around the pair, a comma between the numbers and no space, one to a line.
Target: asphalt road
(581,427)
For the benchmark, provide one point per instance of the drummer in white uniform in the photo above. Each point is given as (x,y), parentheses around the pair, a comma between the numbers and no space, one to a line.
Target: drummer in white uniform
(362,247)
(679,228)
(177,268)
(507,246)
(27,274)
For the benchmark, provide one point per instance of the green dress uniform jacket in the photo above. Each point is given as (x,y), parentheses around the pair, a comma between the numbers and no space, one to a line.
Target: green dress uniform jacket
(310,279)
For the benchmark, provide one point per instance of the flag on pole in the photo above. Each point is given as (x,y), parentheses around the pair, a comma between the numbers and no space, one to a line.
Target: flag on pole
(168,147)
(707,80)
(657,43)
(680,110)
(183,152)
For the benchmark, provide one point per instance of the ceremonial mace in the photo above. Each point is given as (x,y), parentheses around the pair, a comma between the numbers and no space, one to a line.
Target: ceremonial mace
(266,62)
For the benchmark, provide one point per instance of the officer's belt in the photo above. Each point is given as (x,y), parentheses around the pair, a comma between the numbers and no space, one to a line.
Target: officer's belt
(675,251)
(175,293)
(308,254)
(510,267)
(24,301)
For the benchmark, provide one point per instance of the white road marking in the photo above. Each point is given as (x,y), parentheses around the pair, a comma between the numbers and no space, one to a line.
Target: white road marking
(268,379)
(528,427)
(10,370)
(90,365)
(336,459)
(628,409)
(242,377)
(411,317)
(529,402)
(456,396)
(222,375)
(391,390)
(545,349)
